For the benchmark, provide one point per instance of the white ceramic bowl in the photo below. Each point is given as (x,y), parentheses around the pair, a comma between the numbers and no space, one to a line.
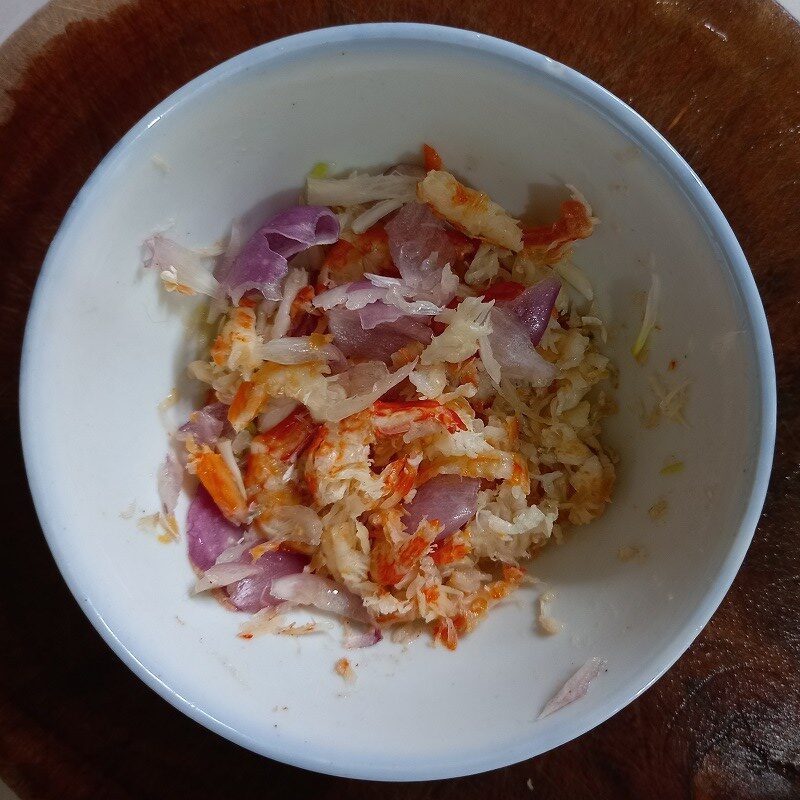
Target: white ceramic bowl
(104,345)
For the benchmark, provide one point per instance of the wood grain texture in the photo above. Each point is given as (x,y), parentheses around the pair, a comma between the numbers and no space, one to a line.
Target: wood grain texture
(721,79)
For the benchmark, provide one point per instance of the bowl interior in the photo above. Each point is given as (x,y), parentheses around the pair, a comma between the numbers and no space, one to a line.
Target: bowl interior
(105,346)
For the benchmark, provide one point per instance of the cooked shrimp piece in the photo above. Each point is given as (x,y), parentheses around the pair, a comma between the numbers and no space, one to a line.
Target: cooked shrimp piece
(221,483)
(236,346)
(349,259)
(305,383)
(469,210)
(490,467)
(247,402)
(341,459)
(431,158)
(390,419)
(395,554)
(268,477)
(446,631)
(304,318)
(398,479)
(548,244)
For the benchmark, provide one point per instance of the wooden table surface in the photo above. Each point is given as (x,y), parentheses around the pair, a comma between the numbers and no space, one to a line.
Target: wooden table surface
(721,79)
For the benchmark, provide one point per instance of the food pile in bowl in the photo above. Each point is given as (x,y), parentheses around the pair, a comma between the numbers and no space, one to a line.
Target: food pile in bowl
(404,396)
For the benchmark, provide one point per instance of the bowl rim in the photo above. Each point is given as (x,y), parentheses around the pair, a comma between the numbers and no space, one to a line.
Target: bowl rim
(628,120)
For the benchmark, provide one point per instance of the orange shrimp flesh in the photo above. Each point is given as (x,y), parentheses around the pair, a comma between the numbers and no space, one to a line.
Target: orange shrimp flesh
(431,158)
(366,252)
(271,455)
(446,631)
(220,483)
(391,418)
(246,404)
(550,241)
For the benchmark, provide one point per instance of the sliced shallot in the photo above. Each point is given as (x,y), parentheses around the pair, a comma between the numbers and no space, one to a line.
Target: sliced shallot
(208,532)
(576,687)
(205,426)
(378,342)
(359,402)
(180,268)
(415,234)
(223,574)
(263,261)
(449,499)
(170,476)
(305,589)
(534,305)
(255,592)
(356,641)
(299,350)
(512,348)
(275,411)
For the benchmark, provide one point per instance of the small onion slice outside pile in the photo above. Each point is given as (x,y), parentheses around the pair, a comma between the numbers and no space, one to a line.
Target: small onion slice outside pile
(170,477)
(576,687)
